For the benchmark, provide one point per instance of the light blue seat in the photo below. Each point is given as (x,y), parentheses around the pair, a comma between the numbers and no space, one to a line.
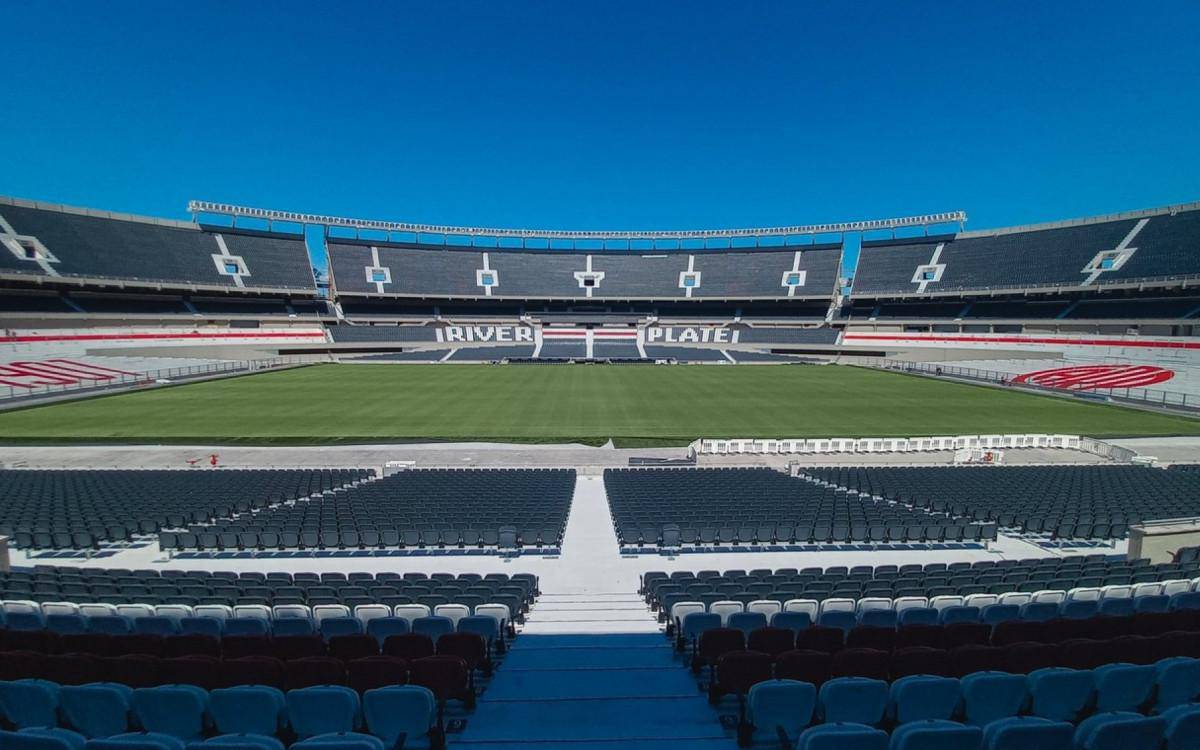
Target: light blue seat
(693,625)
(936,734)
(42,738)
(1117,607)
(919,616)
(29,703)
(247,626)
(853,700)
(325,709)
(332,627)
(24,621)
(136,741)
(110,624)
(1123,687)
(1078,609)
(248,709)
(1155,603)
(177,710)
(434,627)
(341,741)
(67,624)
(747,622)
(382,627)
(1119,730)
(950,615)
(156,625)
(989,696)
(1028,733)
(99,709)
(237,742)
(1059,693)
(781,707)
(997,613)
(290,626)
(1185,600)
(1182,727)
(487,628)
(210,626)
(1178,681)
(1038,611)
(401,712)
(838,619)
(793,621)
(920,697)
(878,618)
(842,736)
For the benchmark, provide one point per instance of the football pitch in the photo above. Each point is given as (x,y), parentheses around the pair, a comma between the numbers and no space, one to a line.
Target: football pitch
(635,406)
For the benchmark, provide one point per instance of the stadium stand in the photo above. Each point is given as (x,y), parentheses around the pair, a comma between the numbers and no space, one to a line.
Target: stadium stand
(779,335)
(414,508)
(79,509)
(673,507)
(1087,502)
(371,334)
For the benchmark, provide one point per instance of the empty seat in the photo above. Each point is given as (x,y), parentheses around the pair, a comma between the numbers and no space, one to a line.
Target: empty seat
(842,736)
(936,734)
(321,710)
(1058,693)
(29,703)
(920,697)
(857,700)
(179,711)
(1123,687)
(97,710)
(1119,730)
(396,713)
(1028,733)
(990,696)
(780,708)
(248,709)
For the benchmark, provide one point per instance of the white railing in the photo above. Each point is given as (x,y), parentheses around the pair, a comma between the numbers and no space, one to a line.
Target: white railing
(781,446)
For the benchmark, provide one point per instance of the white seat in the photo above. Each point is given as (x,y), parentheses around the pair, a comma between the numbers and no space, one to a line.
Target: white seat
(869,603)
(837,604)
(980,600)
(1084,594)
(134,611)
(174,611)
(941,602)
(1116,591)
(97,610)
(1016,598)
(454,612)
(1176,586)
(1051,596)
(325,611)
(367,612)
(411,612)
(810,607)
(498,612)
(291,612)
(1196,584)
(902,603)
(1146,589)
(59,608)
(725,609)
(252,612)
(767,607)
(215,611)
(21,606)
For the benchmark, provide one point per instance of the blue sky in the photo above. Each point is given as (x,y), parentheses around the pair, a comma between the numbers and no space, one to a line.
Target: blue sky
(605,115)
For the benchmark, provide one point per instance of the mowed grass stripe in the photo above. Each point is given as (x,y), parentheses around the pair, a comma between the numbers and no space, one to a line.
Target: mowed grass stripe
(635,405)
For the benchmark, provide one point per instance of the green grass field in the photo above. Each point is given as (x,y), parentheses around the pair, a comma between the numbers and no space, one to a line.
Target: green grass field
(632,405)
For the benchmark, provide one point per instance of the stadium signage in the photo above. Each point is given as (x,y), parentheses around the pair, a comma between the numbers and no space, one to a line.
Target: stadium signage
(691,335)
(500,334)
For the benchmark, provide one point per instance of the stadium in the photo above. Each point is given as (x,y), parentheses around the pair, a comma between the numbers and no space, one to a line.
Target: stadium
(273,479)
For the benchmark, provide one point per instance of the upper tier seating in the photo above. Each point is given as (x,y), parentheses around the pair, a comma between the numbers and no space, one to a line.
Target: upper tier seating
(147,250)
(761,506)
(1089,502)
(1054,257)
(550,274)
(74,509)
(413,508)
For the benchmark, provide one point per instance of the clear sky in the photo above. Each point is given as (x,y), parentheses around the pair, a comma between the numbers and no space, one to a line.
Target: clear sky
(611,115)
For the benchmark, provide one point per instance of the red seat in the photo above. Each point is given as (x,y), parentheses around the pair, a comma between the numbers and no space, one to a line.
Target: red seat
(1023,658)
(445,676)
(308,671)
(1152,623)
(919,660)
(192,645)
(252,670)
(408,646)
(820,638)
(1181,643)
(96,644)
(290,647)
(1105,628)
(1135,649)
(21,665)
(38,641)
(714,644)
(134,670)
(967,659)
(203,671)
(238,646)
(1019,631)
(376,672)
(1084,653)
(72,669)
(472,649)
(773,641)
(349,647)
(805,666)
(919,635)
(737,672)
(880,639)
(860,662)
(966,634)
(137,643)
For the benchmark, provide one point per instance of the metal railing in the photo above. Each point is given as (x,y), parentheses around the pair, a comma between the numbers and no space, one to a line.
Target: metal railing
(1144,396)
(162,376)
